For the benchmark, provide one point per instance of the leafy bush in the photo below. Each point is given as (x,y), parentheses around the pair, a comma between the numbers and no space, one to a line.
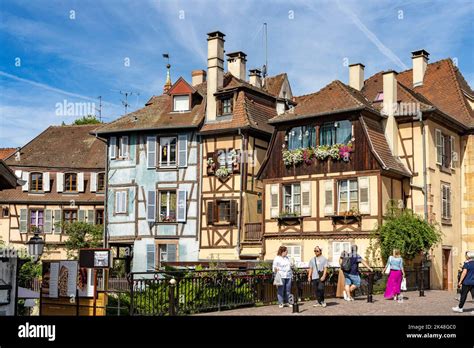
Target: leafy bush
(82,235)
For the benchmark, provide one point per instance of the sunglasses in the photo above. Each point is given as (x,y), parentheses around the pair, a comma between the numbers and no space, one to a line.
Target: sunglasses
(317,251)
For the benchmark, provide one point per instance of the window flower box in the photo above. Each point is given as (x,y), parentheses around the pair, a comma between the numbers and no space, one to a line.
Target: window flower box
(336,152)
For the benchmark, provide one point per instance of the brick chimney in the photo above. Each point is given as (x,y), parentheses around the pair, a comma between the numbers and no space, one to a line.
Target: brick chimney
(390,108)
(356,76)
(420,61)
(198,77)
(236,64)
(255,77)
(215,71)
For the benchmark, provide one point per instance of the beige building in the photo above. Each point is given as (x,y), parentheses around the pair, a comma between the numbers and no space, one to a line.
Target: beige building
(63,174)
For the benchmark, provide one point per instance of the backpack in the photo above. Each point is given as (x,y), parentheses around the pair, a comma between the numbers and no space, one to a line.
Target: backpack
(346,264)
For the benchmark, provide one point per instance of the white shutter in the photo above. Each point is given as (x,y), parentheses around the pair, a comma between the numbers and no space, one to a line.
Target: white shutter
(364,195)
(26,177)
(18,174)
(151,151)
(48,221)
(59,182)
(451,141)
(46,184)
(181,211)
(82,215)
(150,257)
(306,198)
(439,145)
(124,202)
(93,182)
(274,201)
(80,182)
(23,220)
(182,150)
(124,147)
(329,197)
(90,217)
(151,206)
(117,202)
(113,148)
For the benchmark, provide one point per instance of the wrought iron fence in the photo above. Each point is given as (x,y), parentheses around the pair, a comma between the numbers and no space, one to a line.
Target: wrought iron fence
(195,291)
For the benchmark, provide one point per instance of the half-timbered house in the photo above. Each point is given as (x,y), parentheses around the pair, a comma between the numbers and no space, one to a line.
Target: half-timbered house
(63,176)
(153,177)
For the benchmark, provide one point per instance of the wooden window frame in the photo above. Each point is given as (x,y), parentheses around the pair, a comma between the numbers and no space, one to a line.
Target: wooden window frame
(168,164)
(98,190)
(338,184)
(218,212)
(220,105)
(64,211)
(30,210)
(31,183)
(96,215)
(168,199)
(283,195)
(65,188)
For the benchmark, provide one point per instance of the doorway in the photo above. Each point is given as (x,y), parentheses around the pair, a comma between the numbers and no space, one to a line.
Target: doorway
(447,269)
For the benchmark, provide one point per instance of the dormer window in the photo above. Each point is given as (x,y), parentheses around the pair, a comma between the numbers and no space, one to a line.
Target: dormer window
(226,106)
(181,103)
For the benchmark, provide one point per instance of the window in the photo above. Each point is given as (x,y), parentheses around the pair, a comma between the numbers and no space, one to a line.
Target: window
(100,182)
(123,147)
(445,202)
(339,132)
(292,199)
(181,103)
(337,249)
(453,153)
(167,252)
(121,202)
(223,211)
(168,152)
(99,217)
(150,257)
(259,206)
(5,212)
(294,253)
(70,182)
(36,220)
(440,149)
(226,106)
(69,216)
(36,182)
(225,159)
(348,195)
(300,137)
(167,206)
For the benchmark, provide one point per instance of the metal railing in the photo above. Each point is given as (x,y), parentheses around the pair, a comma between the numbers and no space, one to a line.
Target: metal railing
(195,291)
(253,231)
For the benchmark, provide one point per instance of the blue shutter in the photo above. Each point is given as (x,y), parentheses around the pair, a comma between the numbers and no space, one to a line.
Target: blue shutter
(151,151)
(182,150)
(150,257)
(171,250)
(151,206)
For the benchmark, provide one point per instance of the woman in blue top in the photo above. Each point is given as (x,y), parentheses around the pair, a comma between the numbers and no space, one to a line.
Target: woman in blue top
(466,283)
(395,277)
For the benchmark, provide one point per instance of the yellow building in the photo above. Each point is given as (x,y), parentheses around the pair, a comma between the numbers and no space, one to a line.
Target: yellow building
(63,174)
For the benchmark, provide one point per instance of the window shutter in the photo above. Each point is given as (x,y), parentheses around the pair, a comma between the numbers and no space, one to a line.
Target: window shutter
(447,152)
(82,215)
(90,217)
(329,197)
(59,182)
(113,148)
(46,183)
(172,252)
(210,212)
(150,257)
(26,177)
(233,212)
(182,150)
(124,202)
(18,174)
(57,227)
(151,206)
(453,157)
(306,198)
(48,221)
(181,211)
(439,154)
(364,197)
(151,151)
(23,220)
(275,201)
(124,144)
(80,182)
(448,202)
(93,182)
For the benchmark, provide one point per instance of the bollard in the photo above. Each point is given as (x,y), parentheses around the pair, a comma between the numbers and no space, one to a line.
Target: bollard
(172,310)
(370,287)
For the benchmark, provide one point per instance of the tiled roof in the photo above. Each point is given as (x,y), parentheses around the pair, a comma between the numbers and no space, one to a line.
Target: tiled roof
(380,148)
(335,97)
(62,147)
(6,151)
(273,84)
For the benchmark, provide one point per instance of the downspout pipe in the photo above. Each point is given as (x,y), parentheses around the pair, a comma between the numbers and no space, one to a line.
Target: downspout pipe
(106,219)
(243,145)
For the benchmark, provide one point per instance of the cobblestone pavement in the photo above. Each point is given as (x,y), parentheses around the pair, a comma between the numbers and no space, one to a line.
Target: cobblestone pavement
(435,302)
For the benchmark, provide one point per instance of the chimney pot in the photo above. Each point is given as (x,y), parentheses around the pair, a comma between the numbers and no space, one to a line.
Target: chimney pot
(198,77)
(215,71)
(255,77)
(390,100)
(236,64)
(420,61)
(356,76)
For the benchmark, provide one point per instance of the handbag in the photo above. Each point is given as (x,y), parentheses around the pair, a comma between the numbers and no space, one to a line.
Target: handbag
(278,281)
(320,273)
(387,269)
(403,286)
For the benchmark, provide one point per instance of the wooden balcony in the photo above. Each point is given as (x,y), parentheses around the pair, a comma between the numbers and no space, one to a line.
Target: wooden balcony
(253,231)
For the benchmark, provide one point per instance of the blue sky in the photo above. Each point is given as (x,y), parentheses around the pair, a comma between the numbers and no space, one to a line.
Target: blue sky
(74,51)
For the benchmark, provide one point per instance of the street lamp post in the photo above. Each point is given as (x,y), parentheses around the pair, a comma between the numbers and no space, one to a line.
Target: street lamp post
(35,246)
(422,275)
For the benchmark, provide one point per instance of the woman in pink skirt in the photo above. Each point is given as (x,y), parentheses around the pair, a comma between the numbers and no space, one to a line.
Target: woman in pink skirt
(397,273)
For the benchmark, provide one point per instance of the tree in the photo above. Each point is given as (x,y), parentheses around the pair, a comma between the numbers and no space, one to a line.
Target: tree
(404,230)
(82,235)
(89,119)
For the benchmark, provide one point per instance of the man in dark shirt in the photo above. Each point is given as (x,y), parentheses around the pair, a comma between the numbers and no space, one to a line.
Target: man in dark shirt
(466,282)
(350,267)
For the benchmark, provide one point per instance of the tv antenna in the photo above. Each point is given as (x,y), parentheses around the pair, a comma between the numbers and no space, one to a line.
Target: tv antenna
(99,109)
(125,102)
(265,38)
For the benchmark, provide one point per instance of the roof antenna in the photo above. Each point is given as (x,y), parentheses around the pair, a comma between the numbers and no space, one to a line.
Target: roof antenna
(99,109)
(125,102)
(265,66)
(167,85)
